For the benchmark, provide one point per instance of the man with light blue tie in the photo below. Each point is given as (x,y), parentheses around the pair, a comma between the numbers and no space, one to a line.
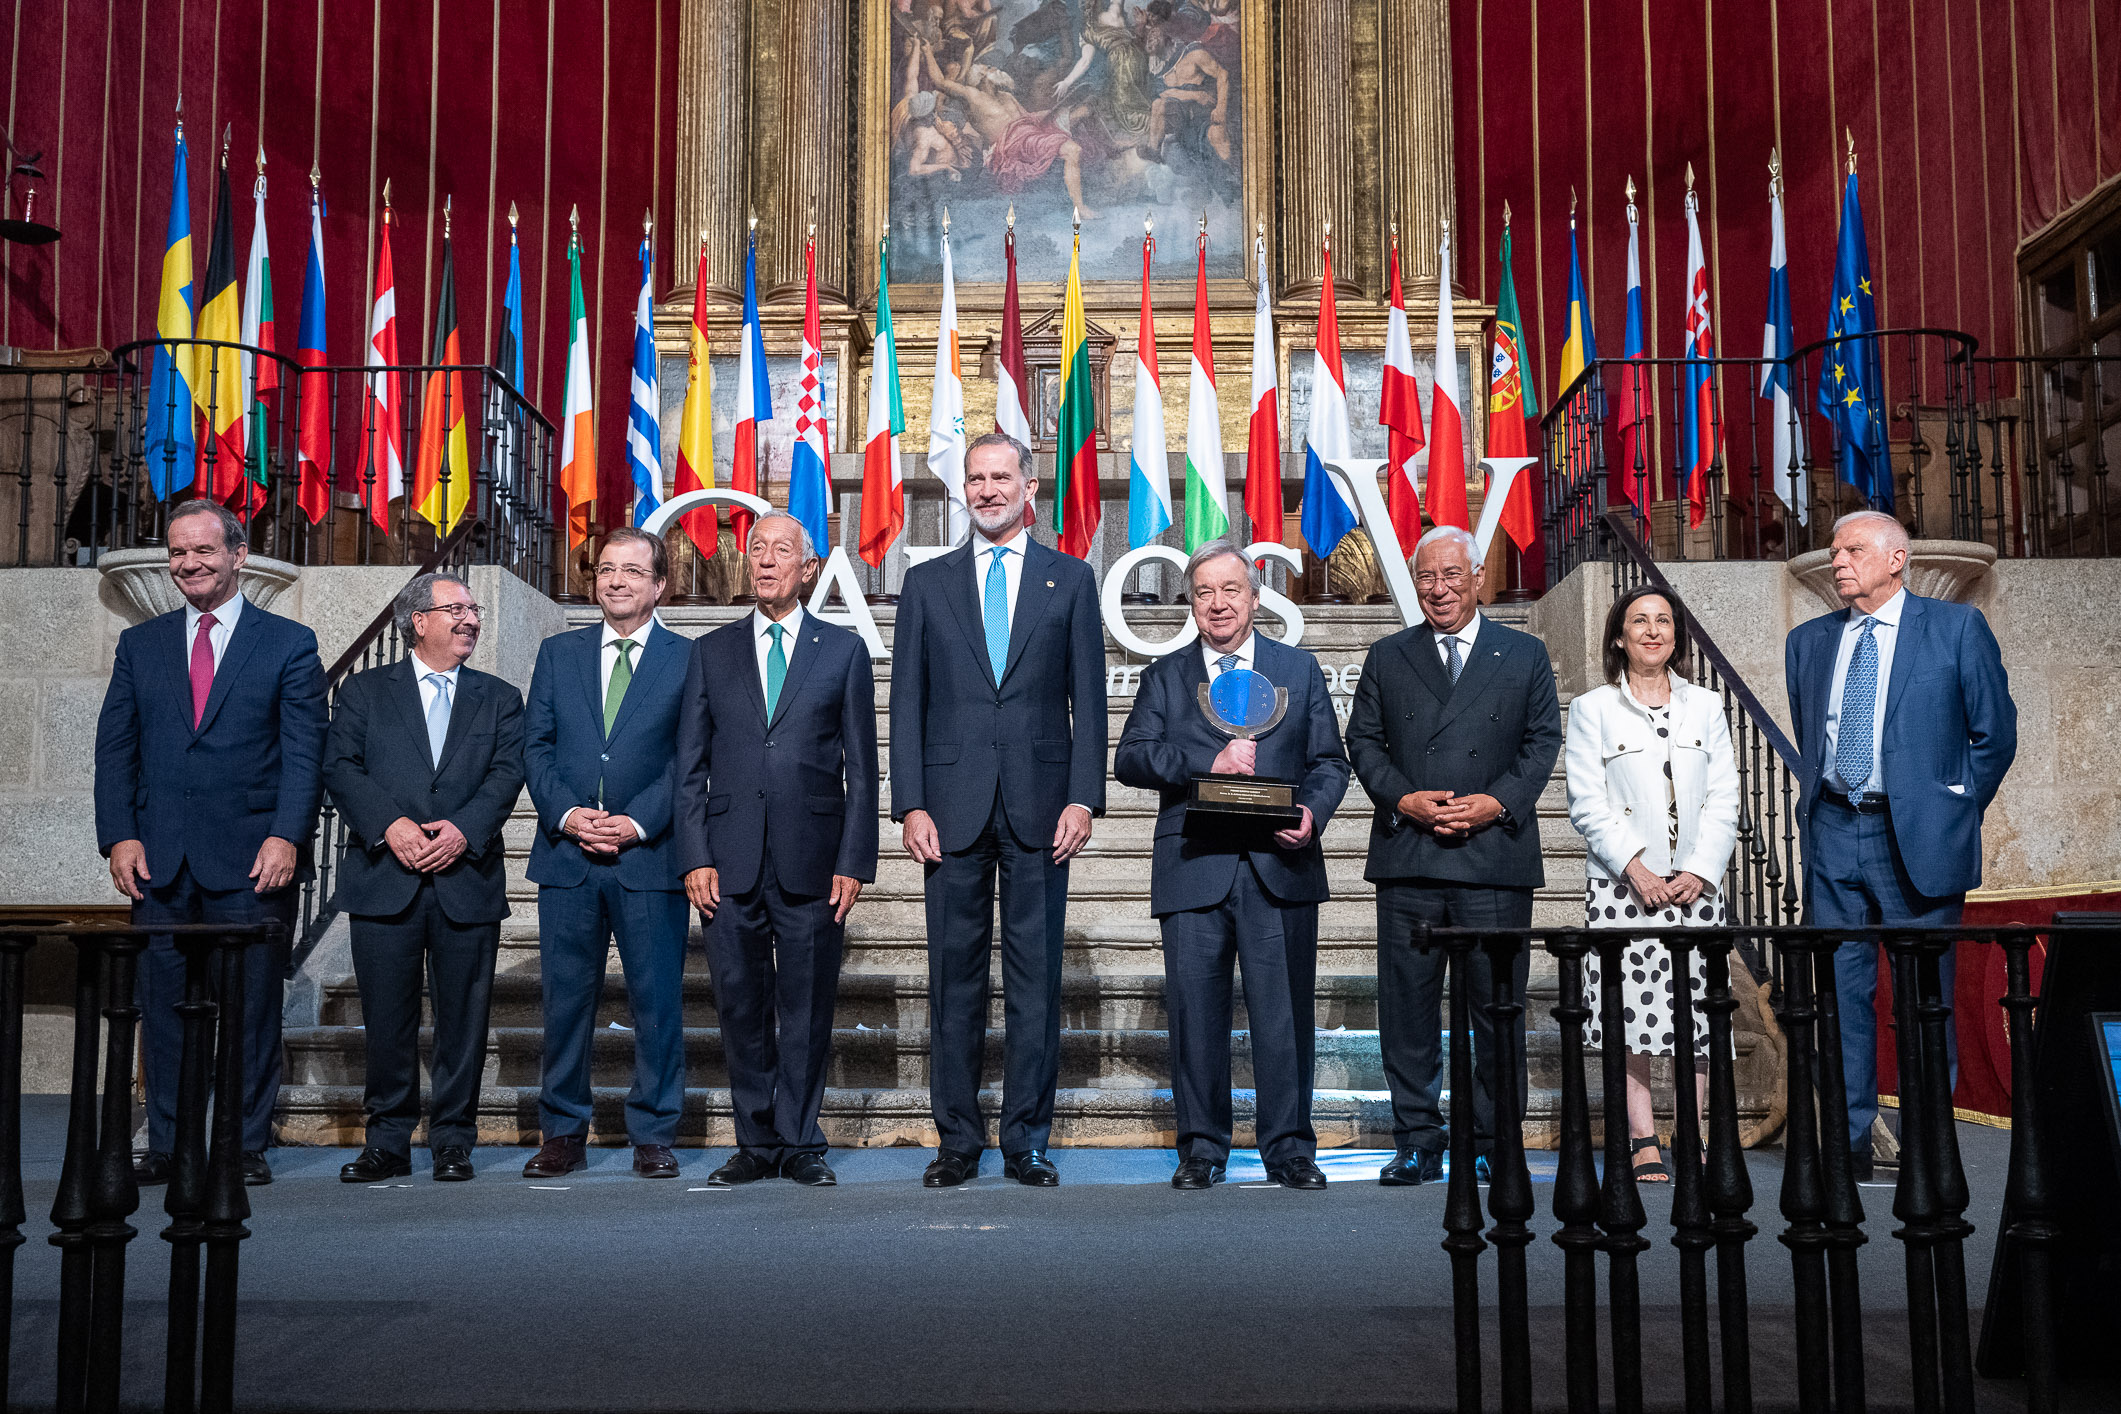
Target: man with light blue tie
(1902,712)
(997,767)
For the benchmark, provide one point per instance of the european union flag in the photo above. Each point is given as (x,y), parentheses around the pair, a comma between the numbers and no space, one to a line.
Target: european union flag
(1851,384)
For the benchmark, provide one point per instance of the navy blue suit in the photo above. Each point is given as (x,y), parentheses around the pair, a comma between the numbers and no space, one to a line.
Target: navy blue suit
(202,801)
(777,807)
(1231,896)
(1950,734)
(994,766)
(585,901)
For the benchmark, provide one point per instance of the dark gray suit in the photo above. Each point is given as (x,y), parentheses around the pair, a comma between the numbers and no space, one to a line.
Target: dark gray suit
(994,764)
(1495,732)
(1234,896)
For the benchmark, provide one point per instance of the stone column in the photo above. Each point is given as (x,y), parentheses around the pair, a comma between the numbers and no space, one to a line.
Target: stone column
(1317,142)
(1415,40)
(714,141)
(814,53)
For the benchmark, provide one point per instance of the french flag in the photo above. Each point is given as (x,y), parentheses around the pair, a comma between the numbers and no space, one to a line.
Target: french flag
(1328,514)
(754,396)
(1447,446)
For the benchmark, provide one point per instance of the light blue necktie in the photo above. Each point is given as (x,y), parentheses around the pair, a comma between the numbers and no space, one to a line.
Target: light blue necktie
(1225,663)
(1859,709)
(437,717)
(997,613)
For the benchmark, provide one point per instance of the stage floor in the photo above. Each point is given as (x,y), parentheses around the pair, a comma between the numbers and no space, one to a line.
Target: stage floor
(1113,1292)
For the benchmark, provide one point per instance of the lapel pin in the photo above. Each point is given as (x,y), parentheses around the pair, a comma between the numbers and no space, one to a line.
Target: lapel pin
(1049,584)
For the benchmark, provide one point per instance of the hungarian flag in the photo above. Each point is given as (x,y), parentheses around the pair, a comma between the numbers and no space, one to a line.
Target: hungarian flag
(1012,402)
(1263,434)
(1207,485)
(1148,469)
(1328,513)
(754,397)
(313,391)
(578,427)
(946,407)
(1637,472)
(1075,501)
(381,474)
(171,443)
(1700,438)
(441,479)
(1507,410)
(220,392)
(809,463)
(883,491)
(1400,411)
(1447,448)
(258,334)
(696,425)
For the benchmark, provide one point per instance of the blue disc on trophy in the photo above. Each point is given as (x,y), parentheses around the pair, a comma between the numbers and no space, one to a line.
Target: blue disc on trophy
(1243,698)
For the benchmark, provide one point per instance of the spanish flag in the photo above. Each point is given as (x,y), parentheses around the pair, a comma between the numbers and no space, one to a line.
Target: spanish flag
(441,481)
(696,428)
(578,436)
(220,389)
(1075,499)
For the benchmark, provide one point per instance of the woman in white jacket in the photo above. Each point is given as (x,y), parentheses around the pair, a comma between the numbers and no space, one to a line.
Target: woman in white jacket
(1653,790)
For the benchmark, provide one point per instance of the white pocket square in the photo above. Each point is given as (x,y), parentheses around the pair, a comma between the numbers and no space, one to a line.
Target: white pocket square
(1956,790)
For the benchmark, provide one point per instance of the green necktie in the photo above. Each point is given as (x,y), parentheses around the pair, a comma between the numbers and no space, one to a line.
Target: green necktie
(621,676)
(776,670)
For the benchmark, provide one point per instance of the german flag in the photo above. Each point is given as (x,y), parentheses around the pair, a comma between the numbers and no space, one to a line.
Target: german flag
(441,480)
(220,391)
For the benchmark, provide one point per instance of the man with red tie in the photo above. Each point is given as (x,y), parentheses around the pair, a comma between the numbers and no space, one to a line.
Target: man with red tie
(208,756)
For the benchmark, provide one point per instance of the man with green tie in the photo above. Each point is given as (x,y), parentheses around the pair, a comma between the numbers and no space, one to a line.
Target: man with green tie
(776,834)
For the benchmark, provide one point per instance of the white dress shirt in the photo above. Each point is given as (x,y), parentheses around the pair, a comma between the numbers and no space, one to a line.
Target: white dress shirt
(608,653)
(1012,569)
(1244,652)
(428,689)
(762,638)
(1886,634)
(224,625)
(1465,637)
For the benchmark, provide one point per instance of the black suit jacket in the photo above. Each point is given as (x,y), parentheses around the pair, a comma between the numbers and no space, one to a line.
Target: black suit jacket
(377,768)
(802,785)
(1167,743)
(1039,736)
(1495,732)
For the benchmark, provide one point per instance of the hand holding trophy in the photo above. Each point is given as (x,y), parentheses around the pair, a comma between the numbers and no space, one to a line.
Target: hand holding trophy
(1243,705)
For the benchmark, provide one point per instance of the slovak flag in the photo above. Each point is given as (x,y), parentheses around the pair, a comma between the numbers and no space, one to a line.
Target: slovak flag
(754,397)
(1699,435)
(1328,514)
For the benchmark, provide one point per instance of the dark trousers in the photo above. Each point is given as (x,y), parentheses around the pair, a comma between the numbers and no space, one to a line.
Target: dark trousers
(575,926)
(960,896)
(392,958)
(1853,877)
(1410,987)
(775,957)
(1275,945)
(161,987)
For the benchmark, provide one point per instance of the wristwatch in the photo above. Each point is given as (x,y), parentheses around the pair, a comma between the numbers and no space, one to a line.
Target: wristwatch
(1504,817)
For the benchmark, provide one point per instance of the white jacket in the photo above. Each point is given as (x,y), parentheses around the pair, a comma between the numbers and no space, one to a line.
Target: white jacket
(1616,783)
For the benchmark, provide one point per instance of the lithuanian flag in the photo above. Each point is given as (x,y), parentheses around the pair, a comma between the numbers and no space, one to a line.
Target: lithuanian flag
(1075,500)
(441,481)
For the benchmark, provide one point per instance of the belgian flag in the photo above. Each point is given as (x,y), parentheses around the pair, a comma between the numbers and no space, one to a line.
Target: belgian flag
(219,391)
(441,482)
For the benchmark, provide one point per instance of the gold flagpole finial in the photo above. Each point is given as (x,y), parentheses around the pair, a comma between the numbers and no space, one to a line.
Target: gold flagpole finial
(1012,218)
(574,223)
(386,194)
(1506,213)
(752,223)
(261,157)
(1201,231)
(946,223)
(885,236)
(1631,191)
(703,240)
(1148,224)
(1690,176)
(1572,203)
(647,223)
(1078,222)
(316,175)
(512,218)
(1259,227)
(445,216)
(227,135)
(1395,234)
(1774,171)
(1850,135)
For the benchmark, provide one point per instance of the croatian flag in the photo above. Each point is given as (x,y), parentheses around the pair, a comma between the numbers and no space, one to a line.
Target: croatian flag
(644,437)
(1780,340)
(809,481)
(1149,472)
(754,397)
(1698,439)
(1328,514)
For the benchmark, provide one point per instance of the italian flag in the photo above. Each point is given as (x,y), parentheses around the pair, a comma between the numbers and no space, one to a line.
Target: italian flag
(578,437)
(1075,499)
(883,488)
(1207,492)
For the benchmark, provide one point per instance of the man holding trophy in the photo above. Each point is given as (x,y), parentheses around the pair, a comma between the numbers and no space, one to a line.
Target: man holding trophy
(1240,742)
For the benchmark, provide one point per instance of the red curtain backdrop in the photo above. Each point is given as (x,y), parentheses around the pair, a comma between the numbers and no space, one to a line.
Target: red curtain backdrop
(547,103)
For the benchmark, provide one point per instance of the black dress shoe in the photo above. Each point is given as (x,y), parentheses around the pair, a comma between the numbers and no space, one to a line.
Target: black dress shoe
(151,1167)
(1197,1173)
(1410,1167)
(950,1168)
(1862,1167)
(453,1164)
(1032,1169)
(744,1166)
(256,1172)
(374,1166)
(1298,1173)
(810,1170)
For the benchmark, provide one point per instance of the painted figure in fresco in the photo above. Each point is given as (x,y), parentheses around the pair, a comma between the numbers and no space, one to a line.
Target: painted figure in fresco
(1021,146)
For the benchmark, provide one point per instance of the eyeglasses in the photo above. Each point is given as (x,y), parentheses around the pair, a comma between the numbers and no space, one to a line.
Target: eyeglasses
(632,574)
(457,612)
(1453,578)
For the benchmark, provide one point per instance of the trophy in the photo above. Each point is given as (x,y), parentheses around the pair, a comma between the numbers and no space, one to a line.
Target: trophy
(1243,705)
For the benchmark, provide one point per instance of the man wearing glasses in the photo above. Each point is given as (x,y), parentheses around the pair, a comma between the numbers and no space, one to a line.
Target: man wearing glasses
(1453,732)
(599,727)
(424,760)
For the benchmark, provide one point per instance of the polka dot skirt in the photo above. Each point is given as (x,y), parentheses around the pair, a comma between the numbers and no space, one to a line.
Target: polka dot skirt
(1646,988)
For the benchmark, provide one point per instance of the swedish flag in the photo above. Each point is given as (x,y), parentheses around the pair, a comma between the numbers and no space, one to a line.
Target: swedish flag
(1851,383)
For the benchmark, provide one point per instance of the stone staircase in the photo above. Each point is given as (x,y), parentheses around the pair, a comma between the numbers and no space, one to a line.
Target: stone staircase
(1115,1080)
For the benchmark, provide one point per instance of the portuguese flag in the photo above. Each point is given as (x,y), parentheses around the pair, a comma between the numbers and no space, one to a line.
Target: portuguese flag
(1075,502)
(1509,401)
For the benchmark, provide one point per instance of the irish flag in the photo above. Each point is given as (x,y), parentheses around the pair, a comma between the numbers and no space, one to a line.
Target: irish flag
(1075,503)
(696,424)
(1149,472)
(1447,449)
(578,433)
(883,489)
(1207,490)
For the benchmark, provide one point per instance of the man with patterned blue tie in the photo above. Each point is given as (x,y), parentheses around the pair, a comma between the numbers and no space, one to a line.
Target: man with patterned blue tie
(1903,714)
(997,766)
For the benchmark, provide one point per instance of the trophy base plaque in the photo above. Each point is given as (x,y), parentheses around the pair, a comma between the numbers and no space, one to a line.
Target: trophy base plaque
(1222,801)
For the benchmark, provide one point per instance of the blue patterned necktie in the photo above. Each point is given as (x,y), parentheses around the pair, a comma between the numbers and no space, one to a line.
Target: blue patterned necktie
(1225,663)
(437,717)
(997,613)
(1457,664)
(1859,709)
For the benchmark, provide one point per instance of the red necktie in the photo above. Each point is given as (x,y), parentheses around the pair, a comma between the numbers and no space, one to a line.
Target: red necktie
(202,669)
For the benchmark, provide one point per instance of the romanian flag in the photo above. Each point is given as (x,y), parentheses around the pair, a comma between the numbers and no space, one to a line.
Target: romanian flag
(264,372)
(171,443)
(219,392)
(1263,432)
(696,426)
(883,488)
(1399,409)
(578,432)
(1075,499)
(381,474)
(1506,413)
(441,480)
(313,430)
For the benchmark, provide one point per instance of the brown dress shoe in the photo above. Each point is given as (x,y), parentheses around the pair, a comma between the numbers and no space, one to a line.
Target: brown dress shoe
(560,1156)
(654,1161)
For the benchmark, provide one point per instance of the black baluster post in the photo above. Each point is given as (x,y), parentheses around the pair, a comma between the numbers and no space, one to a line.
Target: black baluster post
(227,1205)
(1690,1213)
(2029,1194)
(1509,1181)
(1844,1209)
(1461,1212)
(1803,1189)
(1914,1199)
(185,1198)
(1730,1187)
(114,1194)
(70,1205)
(1576,1186)
(1620,1210)
(13,945)
(1947,1182)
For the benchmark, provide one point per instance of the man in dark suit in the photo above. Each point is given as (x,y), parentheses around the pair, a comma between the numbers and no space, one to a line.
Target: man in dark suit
(1903,714)
(997,766)
(207,756)
(425,760)
(1453,733)
(602,714)
(776,834)
(1237,892)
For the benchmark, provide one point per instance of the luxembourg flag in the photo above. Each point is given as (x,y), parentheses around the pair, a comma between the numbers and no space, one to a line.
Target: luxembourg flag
(644,436)
(1328,514)
(754,396)
(1447,446)
(809,481)
(1149,474)
(1400,411)
(1780,341)
(1698,433)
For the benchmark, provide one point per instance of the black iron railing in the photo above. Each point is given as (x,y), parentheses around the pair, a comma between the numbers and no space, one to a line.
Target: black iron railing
(92,471)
